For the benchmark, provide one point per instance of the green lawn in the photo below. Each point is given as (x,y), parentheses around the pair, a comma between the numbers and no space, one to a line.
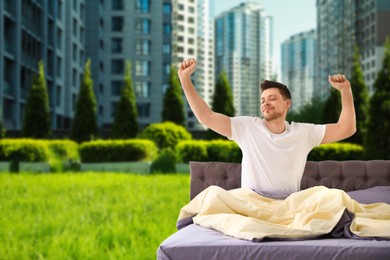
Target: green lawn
(88,215)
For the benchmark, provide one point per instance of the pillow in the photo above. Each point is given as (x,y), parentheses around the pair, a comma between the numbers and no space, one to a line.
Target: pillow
(371,195)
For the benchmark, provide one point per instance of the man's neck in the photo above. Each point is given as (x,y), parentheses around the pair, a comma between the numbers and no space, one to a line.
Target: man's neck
(276,126)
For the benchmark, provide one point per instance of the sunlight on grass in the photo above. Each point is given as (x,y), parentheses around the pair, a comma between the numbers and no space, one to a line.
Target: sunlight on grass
(88,216)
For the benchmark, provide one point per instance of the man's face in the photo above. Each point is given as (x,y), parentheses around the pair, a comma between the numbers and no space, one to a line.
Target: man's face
(273,106)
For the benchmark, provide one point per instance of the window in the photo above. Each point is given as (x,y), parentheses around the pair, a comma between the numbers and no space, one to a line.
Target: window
(117,23)
(143,6)
(74,78)
(143,110)
(142,89)
(142,68)
(117,66)
(142,47)
(167,8)
(59,96)
(117,5)
(116,45)
(167,69)
(167,48)
(59,38)
(75,27)
(74,52)
(167,28)
(59,67)
(142,26)
(116,86)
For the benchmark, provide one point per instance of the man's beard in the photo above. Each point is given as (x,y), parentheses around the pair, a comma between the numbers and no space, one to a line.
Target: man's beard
(272,116)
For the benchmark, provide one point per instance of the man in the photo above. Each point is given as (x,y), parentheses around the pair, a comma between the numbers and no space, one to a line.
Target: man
(274,151)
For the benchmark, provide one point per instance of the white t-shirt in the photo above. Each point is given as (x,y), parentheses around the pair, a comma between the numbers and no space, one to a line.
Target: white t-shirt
(274,162)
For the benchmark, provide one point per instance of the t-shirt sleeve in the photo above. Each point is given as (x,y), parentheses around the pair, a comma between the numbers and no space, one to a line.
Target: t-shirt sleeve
(239,126)
(315,134)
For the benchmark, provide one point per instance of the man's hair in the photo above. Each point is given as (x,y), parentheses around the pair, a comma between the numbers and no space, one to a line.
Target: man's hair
(283,89)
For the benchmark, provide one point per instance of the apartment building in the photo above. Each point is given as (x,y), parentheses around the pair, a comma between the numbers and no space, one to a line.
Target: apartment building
(243,49)
(298,67)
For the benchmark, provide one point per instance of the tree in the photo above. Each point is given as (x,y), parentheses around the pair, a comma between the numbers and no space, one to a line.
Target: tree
(311,112)
(222,101)
(360,99)
(377,141)
(84,126)
(332,107)
(125,120)
(173,105)
(36,121)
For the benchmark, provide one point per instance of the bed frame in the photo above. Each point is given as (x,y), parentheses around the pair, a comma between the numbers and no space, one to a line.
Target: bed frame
(196,242)
(344,175)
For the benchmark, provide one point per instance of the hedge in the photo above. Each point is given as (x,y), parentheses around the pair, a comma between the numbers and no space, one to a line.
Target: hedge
(217,150)
(25,150)
(118,151)
(57,153)
(337,151)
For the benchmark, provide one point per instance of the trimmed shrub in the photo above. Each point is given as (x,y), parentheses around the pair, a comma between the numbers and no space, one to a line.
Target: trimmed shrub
(164,163)
(224,151)
(26,150)
(117,151)
(165,135)
(217,150)
(337,151)
(192,151)
(64,155)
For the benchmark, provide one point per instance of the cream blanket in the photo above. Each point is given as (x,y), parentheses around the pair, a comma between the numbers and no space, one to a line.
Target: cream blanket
(242,213)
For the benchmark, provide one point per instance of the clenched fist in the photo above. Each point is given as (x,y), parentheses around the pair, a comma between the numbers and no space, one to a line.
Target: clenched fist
(186,68)
(339,82)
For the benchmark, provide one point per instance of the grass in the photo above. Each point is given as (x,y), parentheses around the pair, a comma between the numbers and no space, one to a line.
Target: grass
(89,215)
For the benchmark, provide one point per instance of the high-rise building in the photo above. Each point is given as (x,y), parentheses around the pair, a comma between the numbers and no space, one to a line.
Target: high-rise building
(192,37)
(136,31)
(204,75)
(298,67)
(342,24)
(30,31)
(243,49)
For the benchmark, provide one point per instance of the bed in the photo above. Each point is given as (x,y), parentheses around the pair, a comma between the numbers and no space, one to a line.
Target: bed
(365,181)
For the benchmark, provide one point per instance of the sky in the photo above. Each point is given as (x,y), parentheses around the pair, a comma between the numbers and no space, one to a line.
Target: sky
(289,17)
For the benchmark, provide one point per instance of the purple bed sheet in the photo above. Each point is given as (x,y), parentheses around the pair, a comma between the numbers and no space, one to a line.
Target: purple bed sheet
(196,242)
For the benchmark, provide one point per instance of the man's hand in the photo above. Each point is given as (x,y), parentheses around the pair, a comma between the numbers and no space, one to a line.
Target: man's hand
(339,82)
(186,68)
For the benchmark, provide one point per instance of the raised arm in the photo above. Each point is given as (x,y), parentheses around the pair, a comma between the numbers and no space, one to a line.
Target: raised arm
(346,125)
(217,122)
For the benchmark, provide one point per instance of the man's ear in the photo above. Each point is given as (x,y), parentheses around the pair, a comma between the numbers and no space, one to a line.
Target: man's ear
(288,103)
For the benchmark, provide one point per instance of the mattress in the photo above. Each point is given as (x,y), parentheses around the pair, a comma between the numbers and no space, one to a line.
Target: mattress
(196,242)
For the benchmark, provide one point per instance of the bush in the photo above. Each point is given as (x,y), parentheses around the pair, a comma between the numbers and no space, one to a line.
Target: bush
(224,151)
(192,151)
(217,150)
(64,155)
(56,152)
(26,150)
(337,151)
(165,135)
(117,151)
(164,163)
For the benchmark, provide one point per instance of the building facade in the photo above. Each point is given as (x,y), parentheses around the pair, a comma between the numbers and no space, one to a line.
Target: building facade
(243,49)
(298,67)
(34,30)
(342,24)
(138,32)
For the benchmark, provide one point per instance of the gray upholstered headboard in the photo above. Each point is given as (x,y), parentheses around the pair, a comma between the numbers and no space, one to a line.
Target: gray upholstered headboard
(345,175)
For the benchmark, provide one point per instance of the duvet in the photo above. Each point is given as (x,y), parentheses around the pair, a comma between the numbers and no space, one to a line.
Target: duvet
(314,212)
